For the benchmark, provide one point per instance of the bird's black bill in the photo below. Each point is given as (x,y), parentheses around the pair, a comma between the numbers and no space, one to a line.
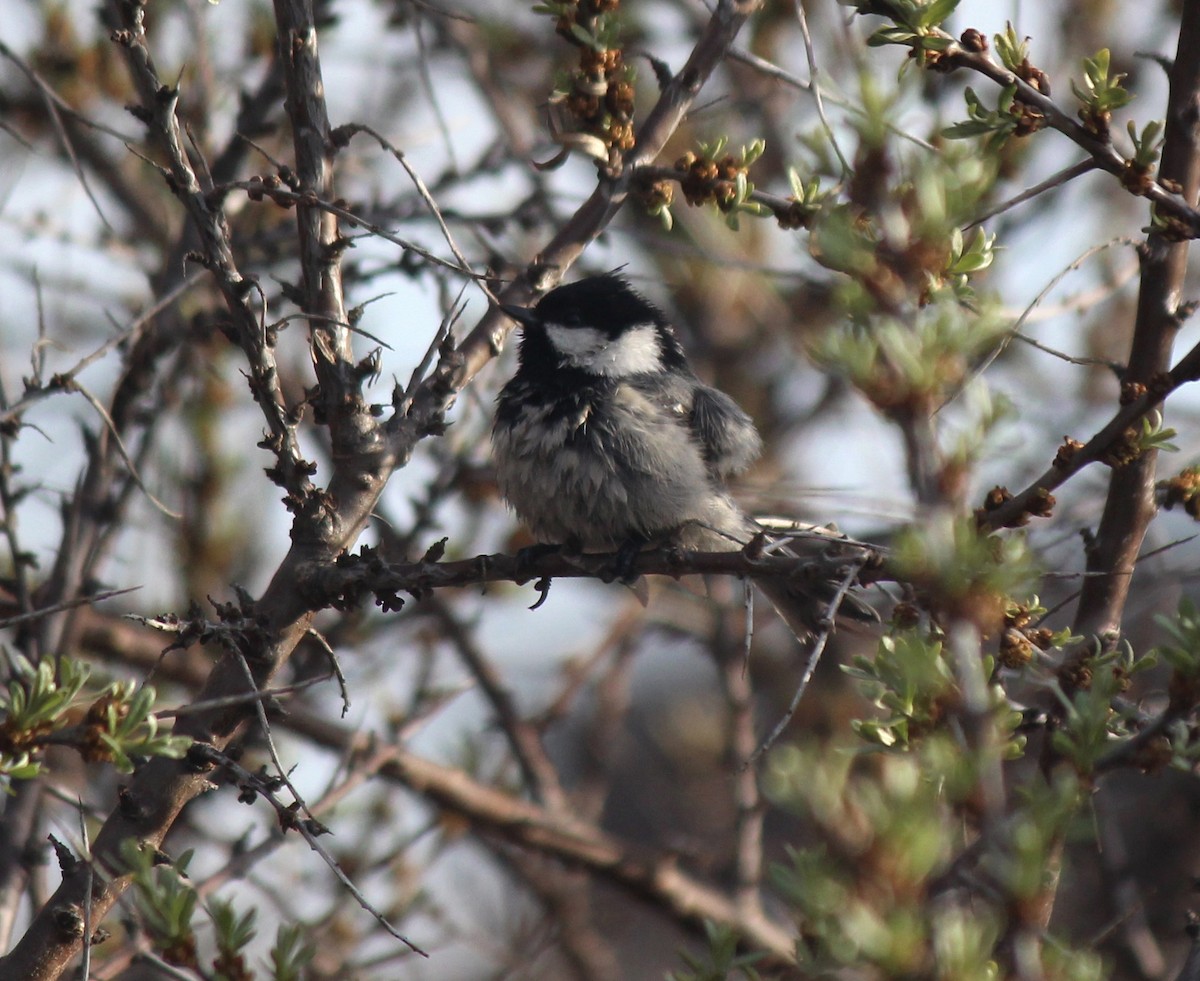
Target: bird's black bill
(522,315)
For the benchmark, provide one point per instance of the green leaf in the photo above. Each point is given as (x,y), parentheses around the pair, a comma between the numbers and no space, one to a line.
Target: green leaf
(585,37)
(892,35)
(936,12)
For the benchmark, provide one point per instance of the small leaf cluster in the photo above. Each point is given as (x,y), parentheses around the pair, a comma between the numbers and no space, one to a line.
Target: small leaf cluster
(996,124)
(1139,169)
(168,904)
(873,896)
(1021,866)
(166,901)
(1183,656)
(806,201)
(962,573)
(1092,718)
(914,364)
(598,93)
(1154,435)
(1013,115)
(915,24)
(969,257)
(912,681)
(232,933)
(121,724)
(1101,93)
(1012,49)
(291,953)
(720,960)
(40,705)
(1183,489)
(1022,634)
(711,175)
(898,237)
(1147,434)
(33,704)
(1013,52)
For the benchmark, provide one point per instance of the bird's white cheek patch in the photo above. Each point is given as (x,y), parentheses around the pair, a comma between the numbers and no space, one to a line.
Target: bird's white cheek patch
(634,352)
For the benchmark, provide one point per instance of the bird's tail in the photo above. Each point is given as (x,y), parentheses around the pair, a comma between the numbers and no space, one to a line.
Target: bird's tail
(810,606)
(819,592)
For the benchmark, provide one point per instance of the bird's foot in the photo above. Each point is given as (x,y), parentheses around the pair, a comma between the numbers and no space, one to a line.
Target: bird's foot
(528,557)
(621,569)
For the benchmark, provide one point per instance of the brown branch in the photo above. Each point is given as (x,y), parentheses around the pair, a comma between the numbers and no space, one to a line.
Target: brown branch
(1130,506)
(1012,511)
(734,674)
(524,740)
(653,877)
(357,576)
(351,426)
(1181,207)
(528,825)
(362,459)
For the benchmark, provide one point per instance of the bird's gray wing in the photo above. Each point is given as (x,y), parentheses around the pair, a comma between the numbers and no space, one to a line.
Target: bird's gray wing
(725,433)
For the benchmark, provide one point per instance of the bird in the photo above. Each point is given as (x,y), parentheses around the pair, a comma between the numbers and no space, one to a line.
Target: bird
(606,439)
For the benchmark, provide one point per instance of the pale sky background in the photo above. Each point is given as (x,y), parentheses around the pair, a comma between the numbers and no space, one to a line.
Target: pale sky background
(46,221)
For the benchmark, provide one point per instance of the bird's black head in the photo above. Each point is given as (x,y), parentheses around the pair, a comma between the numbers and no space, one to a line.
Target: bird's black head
(599,325)
(606,302)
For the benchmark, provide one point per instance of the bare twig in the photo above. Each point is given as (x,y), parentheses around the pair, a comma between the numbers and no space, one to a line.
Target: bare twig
(657,878)
(1064,176)
(748,825)
(46,611)
(308,830)
(810,666)
(120,444)
(537,770)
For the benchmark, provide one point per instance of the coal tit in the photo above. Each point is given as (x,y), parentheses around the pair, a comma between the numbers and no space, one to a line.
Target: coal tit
(606,437)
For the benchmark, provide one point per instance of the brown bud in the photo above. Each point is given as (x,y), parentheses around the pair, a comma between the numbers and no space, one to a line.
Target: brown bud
(1015,649)
(1131,391)
(973,40)
(996,497)
(1062,459)
(1042,504)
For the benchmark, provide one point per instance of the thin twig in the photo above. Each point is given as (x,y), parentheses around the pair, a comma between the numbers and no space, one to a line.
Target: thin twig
(431,92)
(283,194)
(1015,330)
(229,701)
(307,831)
(810,667)
(46,611)
(61,379)
(120,444)
(52,102)
(85,965)
(260,710)
(771,70)
(335,667)
(813,75)
(537,770)
(1064,176)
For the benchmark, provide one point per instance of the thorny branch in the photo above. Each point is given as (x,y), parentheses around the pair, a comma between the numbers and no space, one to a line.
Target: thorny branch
(364,457)
(1130,504)
(1179,206)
